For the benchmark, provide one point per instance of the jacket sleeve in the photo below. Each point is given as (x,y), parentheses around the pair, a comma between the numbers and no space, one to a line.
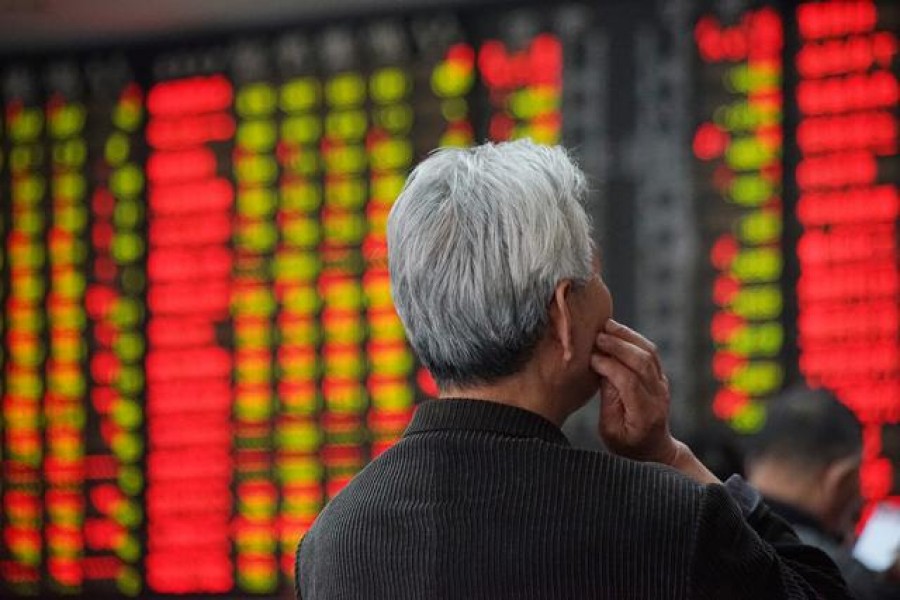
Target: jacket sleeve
(758,556)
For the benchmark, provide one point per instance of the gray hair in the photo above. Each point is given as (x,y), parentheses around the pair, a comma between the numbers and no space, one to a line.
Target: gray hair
(477,241)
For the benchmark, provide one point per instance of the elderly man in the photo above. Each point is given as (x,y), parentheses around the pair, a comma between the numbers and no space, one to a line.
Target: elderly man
(494,278)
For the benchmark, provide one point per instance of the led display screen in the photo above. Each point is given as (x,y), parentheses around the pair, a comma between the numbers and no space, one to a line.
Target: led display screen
(199,347)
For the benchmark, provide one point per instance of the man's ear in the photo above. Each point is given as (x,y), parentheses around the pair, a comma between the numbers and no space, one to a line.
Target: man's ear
(840,483)
(561,321)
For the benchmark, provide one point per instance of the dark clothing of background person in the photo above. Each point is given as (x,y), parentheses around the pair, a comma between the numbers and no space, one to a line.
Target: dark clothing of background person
(864,584)
(485,500)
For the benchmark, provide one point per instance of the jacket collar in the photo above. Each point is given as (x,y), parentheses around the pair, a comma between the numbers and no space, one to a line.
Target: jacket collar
(463,414)
(797,516)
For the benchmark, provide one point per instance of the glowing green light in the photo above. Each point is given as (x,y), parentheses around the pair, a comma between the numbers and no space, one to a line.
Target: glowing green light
(745,79)
(131,480)
(127,413)
(259,302)
(127,116)
(301,129)
(389,85)
(346,159)
(25,158)
(749,418)
(758,302)
(758,378)
(27,125)
(300,94)
(67,120)
(299,437)
(127,247)
(127,313)
(450,80)
(258,136)
(750,190)
(69,185)
(743,115)
(748,153)
(128,549)
(129,213)
(392,154)
(346,124)
(757,265)
(117,149)
(257,583)
(70,153)
(302,232)
(127,446)
(759,227)
(394,118)
(130,380)
(28,190)
(346,89)
(307,163)
(347,193)
(256,202)
(128,581)
(30,287)
(259,235)
(254,100)
(256,169)
(298,266)
(765,339)
(528,103)
(301,196)
(127,180)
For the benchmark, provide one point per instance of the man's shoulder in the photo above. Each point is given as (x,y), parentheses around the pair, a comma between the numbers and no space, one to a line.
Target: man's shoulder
(594,480)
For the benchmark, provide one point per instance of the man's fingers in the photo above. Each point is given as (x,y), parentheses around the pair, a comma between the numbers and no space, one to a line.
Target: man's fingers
(627,333)
(637,359)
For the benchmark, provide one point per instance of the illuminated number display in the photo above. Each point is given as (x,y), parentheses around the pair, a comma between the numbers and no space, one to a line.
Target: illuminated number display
(742,142)
(848,293)
(200,347)
(198,344)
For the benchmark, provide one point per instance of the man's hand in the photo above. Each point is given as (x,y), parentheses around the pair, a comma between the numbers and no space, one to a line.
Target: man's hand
(634,393)
(634,402)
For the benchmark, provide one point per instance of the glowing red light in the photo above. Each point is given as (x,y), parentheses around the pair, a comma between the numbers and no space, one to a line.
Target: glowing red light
(841,94)
(724,251)
(427,383)
(876,131)
(709,141)
(818,20)
(725,289)
(724,325)
(462,55)
(837,170)
(192,95)
(876,478)
(180,165)
(183,264)
(765,33)
(206,195)
(546,60)
(858,205)
(501,127)
(184,132)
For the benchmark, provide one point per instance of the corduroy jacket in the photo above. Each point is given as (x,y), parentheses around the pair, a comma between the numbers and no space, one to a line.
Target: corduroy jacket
(481,500)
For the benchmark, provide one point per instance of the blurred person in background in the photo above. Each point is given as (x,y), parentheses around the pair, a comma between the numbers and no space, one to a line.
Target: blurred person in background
(495,279)
(718,447)
(805,461)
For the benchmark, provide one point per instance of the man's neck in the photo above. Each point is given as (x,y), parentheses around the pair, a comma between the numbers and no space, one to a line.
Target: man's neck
(524,390)
(785,486)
